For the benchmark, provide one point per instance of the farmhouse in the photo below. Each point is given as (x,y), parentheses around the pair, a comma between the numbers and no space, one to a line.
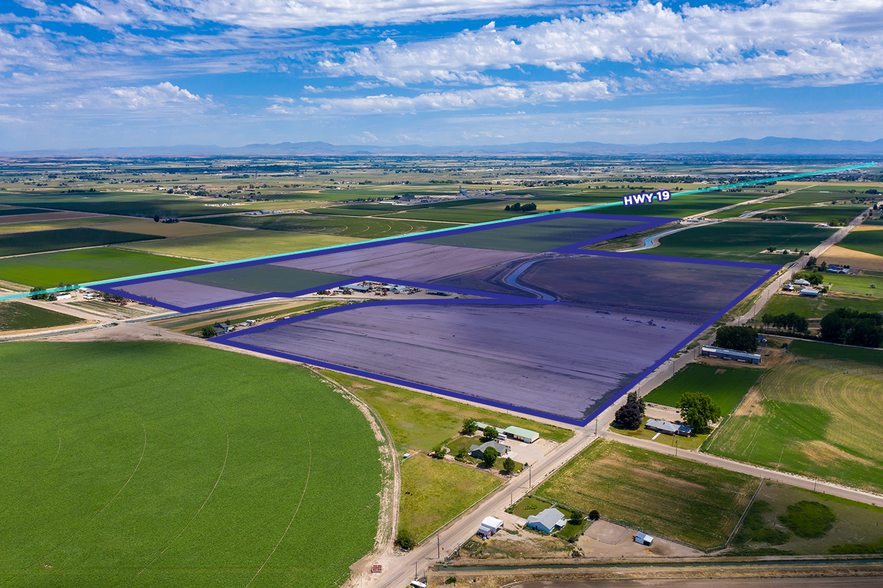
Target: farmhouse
(525,435)
(669,428)
(730,354)
(547,521)
(489,526)
(477,451)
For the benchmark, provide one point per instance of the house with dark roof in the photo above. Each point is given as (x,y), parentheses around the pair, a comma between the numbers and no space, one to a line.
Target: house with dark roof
(477,451)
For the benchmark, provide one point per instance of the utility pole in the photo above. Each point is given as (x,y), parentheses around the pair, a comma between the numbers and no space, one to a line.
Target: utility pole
(438,544)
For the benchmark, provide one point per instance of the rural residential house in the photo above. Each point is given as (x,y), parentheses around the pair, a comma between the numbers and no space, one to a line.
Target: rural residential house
(477,451)
(547,521)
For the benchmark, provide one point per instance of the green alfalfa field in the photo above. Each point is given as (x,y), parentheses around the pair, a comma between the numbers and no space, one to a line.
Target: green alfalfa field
(159,464)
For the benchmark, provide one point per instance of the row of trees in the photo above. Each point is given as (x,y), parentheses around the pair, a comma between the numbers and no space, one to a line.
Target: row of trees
(792,322)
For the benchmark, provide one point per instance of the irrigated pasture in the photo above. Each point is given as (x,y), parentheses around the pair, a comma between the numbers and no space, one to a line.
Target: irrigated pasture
(358,227)
(419,421)
(819,307)
(233,246)
(18,316)
(178,465)
(726,386)
(681,206)
(842,214)
(435,491)
(857,528)
(180,229)
(742,241)
(535,357)
(84,265)
(24,243)
(659,494)
(817,415)
(15,211)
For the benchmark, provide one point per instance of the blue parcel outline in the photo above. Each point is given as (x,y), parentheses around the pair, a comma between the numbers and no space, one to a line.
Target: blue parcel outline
(557,336)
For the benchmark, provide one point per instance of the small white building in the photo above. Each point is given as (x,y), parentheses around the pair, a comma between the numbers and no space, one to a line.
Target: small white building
(801,282)
(643,538)
(489,526)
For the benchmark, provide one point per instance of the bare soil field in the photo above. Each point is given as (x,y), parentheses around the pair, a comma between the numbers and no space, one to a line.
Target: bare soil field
(855,259)
(683,291)
(183,294)
(404,261)
(534,357)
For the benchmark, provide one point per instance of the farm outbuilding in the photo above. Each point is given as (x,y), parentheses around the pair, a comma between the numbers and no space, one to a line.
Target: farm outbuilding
(731,354)
(525,435)
(668,428)
(811,292)
(477,451)
(547,521)
(643,538)
(489,526)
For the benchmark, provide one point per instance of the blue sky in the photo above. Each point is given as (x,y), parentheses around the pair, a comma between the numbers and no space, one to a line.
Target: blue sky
(121,73)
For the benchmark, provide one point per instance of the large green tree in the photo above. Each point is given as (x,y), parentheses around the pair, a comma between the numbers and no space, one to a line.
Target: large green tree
(629,416)
(698,409)
(738,338)
(489,457)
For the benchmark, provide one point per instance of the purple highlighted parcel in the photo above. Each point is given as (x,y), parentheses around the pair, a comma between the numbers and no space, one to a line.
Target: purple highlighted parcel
(559,331)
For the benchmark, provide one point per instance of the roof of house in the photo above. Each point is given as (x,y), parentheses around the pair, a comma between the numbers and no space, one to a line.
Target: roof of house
(730,352)
(667,426)
(549,518)
(501,449)
(518,431)
(801,282)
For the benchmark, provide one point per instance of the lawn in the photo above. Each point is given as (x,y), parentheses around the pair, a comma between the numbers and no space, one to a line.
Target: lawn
(435,491)
(36,242)
(84,265)
(741,241)
(864,241)
(856,528)
(357,227)
(659,494)
(726,386)
(817,415)
(420,421)
(17,316)
(686,443)
(175,465)
(239,245)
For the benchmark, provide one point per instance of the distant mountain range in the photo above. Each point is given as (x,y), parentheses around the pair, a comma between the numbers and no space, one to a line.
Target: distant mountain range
(769,146)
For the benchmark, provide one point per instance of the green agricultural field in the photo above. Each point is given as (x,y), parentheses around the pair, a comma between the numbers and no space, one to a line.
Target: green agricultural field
(24,243)
(144,204)
(726,386)
(435,491)
(741,241)
(817,416)
(15,211)
(842,214)
(358,227)
(239,245)
(660,494)
(819,307)
(84,265)
(420,421)
(92,221)
(803,197)
(857,527)
(460,214)
(681,206)
(158,464)
(865,241)
(17,316)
